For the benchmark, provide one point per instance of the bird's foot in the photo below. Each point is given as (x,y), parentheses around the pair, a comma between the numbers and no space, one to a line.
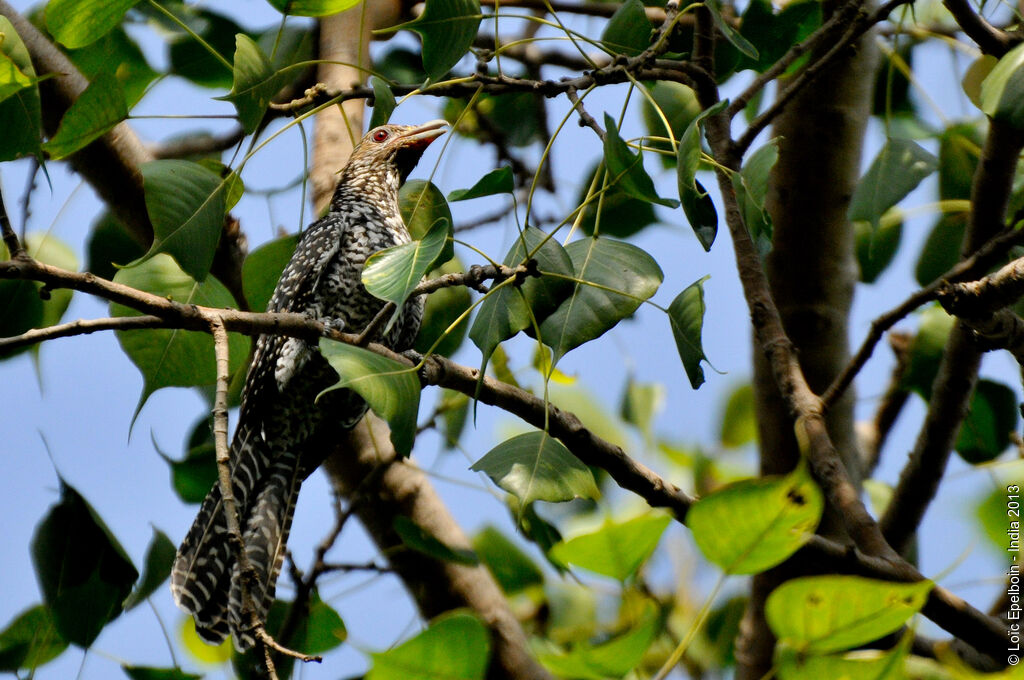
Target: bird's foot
(332,325)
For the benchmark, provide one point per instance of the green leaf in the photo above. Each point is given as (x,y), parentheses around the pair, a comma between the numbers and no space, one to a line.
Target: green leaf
(627,169)
(194,476)
(990,421)
(860,665)
(641,402)
(109,246)
(422,204)
(615,213)
(697,204)
(511,567)
(419,539)
(731,34)
(99,108)
(506,311)
(628,31)
(614,658)
(679,105)
(739,421)
(83,571)
(822,614)
(537,467)
(455,646)
(448,28)
(312,8)
(255,82)
(516,117)
(76,23)
(991,512)
(617,549)
(393,273)
(262,268)
(30,641)
(193,60)
(772,34)
(390,388)
(150,673)
(383,102)
(897,169)
(325,629)
(614,278)
(158,561)
(926,351)
(20,112)
(172,357)
(118,54)
(186,204)
(21,305)
(876,249)
(498,181)
(1002,92)
(768,518)
(11,77)
(453,420)
(751,185)
(441,310)
(686,316)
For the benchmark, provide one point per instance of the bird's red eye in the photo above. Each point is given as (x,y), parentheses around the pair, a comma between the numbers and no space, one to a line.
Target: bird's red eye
(380,135)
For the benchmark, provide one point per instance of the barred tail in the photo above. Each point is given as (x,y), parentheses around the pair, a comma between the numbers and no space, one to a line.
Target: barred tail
(204,562)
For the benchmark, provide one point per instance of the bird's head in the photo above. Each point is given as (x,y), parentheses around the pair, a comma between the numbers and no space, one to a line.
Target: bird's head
(386,155)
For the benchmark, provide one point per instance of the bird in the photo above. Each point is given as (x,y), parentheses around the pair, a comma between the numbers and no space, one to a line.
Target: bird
(283,431)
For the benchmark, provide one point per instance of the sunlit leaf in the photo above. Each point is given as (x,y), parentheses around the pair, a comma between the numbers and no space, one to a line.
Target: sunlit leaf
(12,79)
(255,82)
(536,467)
(769,520)
(616,549)
(686,316)
(861,665)
(390,388)
(76,23)
(30,640)
(613,658)
(628,31)
(455,646)
(99,108)
(20,112)
(110,244)
(627,169)
(83,571)
(498,181)
(197,648)
(157,567)
(614,278)
(172,357)
(821,614)
(383,102)
(312,8)
(1002,92)
(186,204)
(511,567)
(448,28)
(422,204)
(897,169)
(419,539)
(393,273)
(739,421)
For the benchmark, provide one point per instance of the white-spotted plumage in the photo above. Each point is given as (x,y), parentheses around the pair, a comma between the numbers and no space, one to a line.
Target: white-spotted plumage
(282,435)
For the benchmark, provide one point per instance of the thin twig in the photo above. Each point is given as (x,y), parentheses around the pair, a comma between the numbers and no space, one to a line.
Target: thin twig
(197,145)
(83,327)
(990,39)
(585,118)
(14,247)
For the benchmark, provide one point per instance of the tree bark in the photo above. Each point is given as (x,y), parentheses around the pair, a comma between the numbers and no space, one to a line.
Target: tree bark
(812,271)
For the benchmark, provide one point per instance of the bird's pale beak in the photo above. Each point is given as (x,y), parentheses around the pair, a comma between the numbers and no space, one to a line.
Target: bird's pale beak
(422,135)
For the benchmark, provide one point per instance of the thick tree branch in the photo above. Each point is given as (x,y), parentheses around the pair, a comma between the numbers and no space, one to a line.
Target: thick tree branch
(990,39)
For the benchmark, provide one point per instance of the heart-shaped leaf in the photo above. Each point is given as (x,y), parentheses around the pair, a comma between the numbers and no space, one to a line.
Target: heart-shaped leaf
(773,518)
(312,8)
(76,23)
(627,169)
(697,204)
(20,112)
(498,181)
(897,169)
(99,108)
(616,549)
(390,388)
(614,278)
(383,102)
(448,28)
(537,467)
(255,82)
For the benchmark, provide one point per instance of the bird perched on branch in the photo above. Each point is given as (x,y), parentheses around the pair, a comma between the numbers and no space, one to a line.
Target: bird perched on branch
(282,435)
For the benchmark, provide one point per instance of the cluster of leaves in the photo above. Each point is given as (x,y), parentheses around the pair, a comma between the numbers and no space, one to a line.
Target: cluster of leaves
(581,289)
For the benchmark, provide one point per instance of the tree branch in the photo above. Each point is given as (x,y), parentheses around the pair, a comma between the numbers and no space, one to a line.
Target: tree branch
(990,39)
